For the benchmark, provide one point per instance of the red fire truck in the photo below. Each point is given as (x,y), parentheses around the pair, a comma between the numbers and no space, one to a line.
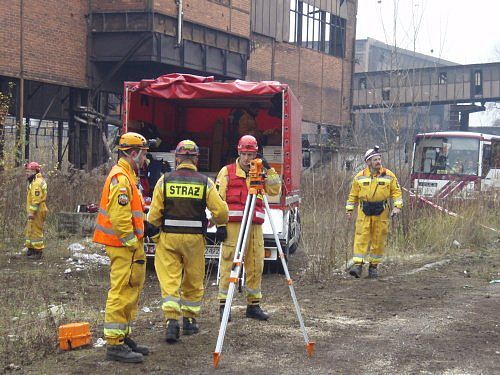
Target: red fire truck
(455,164)
(181,106)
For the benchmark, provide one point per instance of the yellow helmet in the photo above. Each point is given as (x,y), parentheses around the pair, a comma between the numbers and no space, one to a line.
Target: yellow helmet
(132,140)
(187,147)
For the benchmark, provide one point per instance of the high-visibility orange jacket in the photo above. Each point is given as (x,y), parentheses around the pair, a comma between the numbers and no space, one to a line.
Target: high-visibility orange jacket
(120,221)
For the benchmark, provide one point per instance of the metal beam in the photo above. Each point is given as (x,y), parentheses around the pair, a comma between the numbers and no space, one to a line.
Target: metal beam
(118,65)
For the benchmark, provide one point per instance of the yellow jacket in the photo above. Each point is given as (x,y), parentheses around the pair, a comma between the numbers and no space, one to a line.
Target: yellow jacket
(374,188)
(215,204)
(118,209)
(272,184)
(36,195)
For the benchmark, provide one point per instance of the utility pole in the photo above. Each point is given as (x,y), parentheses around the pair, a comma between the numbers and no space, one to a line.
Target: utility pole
(20,129)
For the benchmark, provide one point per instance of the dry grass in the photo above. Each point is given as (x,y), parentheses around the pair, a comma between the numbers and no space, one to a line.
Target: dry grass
(29,288)
(66,189)
(328,235)
(28,330)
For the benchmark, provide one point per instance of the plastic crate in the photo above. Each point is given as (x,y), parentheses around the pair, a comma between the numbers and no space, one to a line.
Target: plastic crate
(74,335)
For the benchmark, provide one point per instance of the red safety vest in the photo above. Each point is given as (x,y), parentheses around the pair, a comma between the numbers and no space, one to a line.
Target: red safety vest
(104,233)
(236,197)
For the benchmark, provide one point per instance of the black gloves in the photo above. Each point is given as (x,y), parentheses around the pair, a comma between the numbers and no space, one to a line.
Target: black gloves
(150,230)
(221,234)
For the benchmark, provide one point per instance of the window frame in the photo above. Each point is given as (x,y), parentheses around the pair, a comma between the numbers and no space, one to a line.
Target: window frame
(316,29)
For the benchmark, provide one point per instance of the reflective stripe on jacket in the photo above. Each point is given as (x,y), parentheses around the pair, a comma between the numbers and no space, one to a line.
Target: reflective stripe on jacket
(378,187)
(104,232)
(36,195)
(236,196)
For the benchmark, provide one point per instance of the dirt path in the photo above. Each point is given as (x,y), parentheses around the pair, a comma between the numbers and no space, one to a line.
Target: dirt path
(413,320)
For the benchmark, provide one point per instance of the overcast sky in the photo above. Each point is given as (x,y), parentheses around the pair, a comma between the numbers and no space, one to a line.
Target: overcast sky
(462,31)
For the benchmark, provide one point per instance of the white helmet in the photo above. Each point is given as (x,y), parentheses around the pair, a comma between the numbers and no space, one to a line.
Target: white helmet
(375,151)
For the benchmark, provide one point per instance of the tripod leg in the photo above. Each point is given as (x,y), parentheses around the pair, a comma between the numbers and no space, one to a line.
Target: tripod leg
(218,264)
(235,272)
(309,344)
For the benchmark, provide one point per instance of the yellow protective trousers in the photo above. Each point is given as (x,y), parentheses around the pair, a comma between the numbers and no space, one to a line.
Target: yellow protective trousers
(127,276)
(34,229)
(253,262)
(180,267)
(371,232)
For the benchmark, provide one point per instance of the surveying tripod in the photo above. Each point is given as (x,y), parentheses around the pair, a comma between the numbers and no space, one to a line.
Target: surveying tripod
(257,179)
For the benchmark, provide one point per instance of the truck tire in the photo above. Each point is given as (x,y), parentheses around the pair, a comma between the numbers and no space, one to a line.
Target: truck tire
(293,248)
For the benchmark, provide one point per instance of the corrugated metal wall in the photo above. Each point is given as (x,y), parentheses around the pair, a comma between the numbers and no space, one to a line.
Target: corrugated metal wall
(271,18)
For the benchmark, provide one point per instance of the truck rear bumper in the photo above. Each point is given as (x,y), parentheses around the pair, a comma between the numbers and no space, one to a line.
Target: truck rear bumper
(212,251)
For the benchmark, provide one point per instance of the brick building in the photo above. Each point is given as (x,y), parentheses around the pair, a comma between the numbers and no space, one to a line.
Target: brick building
(61,57)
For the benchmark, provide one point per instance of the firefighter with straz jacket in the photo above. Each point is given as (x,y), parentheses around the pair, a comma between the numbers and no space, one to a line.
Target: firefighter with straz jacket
(372,190)
(36,209)
(120,227)
(178,224)
(233,182)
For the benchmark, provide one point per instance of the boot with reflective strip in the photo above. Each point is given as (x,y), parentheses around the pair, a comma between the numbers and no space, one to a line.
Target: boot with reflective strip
(238,261)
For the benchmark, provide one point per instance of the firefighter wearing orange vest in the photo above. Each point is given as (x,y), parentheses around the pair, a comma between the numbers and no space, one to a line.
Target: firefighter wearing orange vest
(371,190)
(178,208)
(36,209)
(232,183)
(120,227)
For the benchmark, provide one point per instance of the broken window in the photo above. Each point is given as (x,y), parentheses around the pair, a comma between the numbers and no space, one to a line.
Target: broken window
(478,82)
(362,83)
(386,94)
(443,78)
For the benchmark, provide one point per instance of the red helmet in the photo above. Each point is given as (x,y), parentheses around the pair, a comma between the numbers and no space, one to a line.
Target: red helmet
(187,147)
(248,143)
(33,166)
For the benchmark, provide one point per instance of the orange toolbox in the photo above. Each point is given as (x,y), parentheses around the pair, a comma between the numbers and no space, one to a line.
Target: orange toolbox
(74,335)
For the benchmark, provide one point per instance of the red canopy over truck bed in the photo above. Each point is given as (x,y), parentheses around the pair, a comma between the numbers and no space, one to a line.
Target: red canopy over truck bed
(182,106)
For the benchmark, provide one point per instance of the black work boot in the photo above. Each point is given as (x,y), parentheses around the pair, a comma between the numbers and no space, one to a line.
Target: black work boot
(173,331)
(189,326)
(37,255)
(356,271)
(30,252)
(255,312)
(144,350)
(221,313)
(122,353)
(372,271)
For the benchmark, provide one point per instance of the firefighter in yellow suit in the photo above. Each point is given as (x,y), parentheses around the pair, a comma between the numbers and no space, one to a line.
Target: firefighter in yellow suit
(36,209)
(178,208)
(120,227)
(232,183)
(372,190)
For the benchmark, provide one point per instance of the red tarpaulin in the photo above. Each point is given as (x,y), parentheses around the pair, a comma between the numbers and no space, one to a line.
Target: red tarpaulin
(186,86)
(183,106)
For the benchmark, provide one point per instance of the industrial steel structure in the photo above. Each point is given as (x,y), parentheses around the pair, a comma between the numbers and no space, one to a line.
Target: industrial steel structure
(67,64)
